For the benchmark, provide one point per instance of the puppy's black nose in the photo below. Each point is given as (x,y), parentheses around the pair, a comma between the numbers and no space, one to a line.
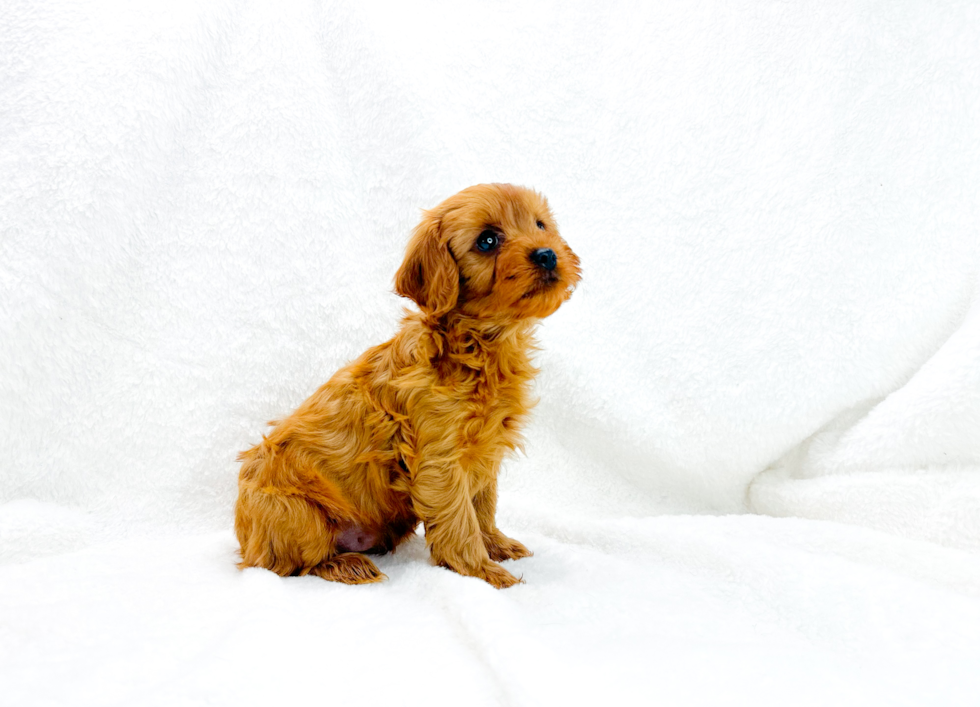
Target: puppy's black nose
(544,258)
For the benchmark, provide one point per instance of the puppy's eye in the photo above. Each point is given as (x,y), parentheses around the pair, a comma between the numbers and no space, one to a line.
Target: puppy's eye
(487,242)
(540,225)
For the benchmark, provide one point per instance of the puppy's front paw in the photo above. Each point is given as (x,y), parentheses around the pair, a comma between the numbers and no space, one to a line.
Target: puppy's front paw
(498,577)
(488,571)
(500,547)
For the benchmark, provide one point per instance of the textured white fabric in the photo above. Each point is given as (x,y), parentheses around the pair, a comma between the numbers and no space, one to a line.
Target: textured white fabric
(776,206)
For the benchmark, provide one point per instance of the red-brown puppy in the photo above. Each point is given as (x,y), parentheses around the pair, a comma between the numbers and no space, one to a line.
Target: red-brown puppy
(415,429)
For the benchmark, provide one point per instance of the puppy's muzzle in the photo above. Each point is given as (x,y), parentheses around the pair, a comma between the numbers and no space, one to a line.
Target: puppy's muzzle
(544,258)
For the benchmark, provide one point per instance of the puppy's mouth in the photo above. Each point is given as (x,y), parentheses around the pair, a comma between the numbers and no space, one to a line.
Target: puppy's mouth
(546,281)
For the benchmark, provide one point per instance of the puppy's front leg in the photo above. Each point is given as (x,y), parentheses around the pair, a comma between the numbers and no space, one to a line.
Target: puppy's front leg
(440,493)
(498,545)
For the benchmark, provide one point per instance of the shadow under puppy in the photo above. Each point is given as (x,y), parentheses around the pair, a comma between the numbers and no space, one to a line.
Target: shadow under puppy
(415,429)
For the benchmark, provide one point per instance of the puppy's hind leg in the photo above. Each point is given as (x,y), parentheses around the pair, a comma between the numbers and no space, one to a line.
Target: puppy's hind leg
(349,568)
(289,519)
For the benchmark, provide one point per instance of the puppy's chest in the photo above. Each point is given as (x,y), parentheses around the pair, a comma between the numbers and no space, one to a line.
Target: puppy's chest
(491,418)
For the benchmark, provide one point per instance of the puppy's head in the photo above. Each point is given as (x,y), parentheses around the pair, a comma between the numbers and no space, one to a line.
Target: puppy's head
(492,251)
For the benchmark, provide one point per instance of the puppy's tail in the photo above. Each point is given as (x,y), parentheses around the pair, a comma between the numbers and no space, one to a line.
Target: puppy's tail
(288,515)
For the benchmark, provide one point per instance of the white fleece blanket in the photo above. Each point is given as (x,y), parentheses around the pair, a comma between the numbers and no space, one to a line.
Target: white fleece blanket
(754,473)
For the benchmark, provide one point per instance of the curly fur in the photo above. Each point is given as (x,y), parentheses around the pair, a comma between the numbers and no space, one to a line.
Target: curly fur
(415,429)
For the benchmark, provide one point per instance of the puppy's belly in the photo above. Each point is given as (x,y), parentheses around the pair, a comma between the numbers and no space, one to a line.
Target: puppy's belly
(357,539)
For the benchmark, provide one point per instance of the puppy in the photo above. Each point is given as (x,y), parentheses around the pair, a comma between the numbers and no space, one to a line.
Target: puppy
(415,429)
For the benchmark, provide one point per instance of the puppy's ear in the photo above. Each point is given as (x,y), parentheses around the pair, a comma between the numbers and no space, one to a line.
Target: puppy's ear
(429,274)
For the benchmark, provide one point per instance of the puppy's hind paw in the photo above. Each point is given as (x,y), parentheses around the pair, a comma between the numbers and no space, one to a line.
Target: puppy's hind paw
(500,547)
(349,568)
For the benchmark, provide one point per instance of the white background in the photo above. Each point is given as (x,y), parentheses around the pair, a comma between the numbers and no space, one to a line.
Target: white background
(753,474)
